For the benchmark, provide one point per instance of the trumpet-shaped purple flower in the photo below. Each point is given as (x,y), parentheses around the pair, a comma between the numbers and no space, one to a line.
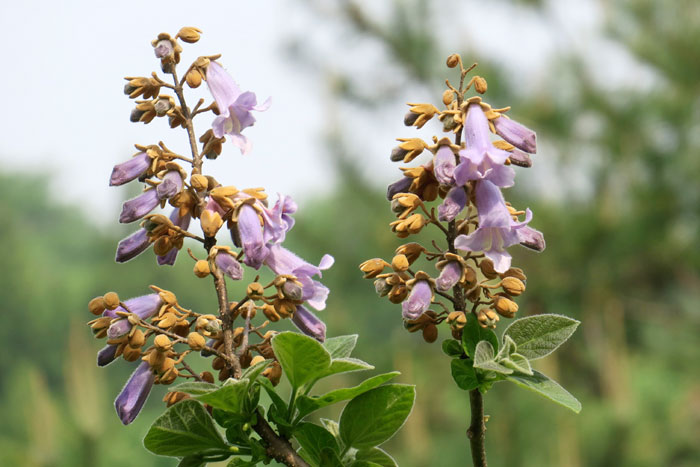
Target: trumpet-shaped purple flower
(309,324)
(138,207)
(132,246)
(129,170)
(418,301)
(445,164)
(449,276)
(234,105)
(130,401)
(180,221)
(400,186)
(278,220)
(250,233)
(106,355)
(229,265)
(481,160)
(497,230)
(144,307)
(282,261)
(454,202)
(516,134)
(531,238)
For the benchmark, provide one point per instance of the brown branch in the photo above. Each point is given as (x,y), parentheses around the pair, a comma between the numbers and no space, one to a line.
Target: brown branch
(277,447)
(226,315)
(477,430)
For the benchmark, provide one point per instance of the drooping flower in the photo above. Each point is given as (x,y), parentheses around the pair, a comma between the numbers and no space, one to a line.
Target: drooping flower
(497,230)
(180,221)
(129,170)
(449,276)
(133,396)
(481,160)
(282,261)
(250,234)
(309,324)
(141,205)
(531,238)
(132,246)
(400,186)
(106,355)
(418,301)
(229,265)
(234,105)
(454,202)
(144,307)
(516,134)
(445,164)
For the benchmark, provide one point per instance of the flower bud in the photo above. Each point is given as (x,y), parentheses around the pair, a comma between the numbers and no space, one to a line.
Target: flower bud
(255,291)
(172,398)
(456,320)
(96,306)
(487,268)
(373,267)
(505,306)
(207,376)
(514,272)
(430,333)
(111,300)
(412,251)
(480,84)
(292,290)
(381,287)
(398,293)
(257,359)
(189,34)
(196,341)
(453,60)
(273,373)
(270,313)
(131,354)
(449,276)
(201,268)
(228,264)
(487,318)
(211,222)
(199,182)
(137,338)
(162,343)
(513,286)
(448,96)
(399,263)
(285,308)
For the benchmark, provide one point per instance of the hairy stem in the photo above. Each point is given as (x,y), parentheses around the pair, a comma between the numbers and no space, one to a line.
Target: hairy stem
(477,430)
(277,447)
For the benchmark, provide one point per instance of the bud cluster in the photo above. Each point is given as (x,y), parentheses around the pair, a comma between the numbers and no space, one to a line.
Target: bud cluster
(154,329)
(473,270)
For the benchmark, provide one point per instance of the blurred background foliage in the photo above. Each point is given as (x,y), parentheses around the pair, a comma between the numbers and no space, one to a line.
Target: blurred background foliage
(614,188)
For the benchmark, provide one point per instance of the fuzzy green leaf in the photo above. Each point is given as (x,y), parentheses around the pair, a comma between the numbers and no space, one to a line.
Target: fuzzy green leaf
(230,397)
(539,335)
(377,456)
(518,363)
(549,388)
(303,358)
(473,333)
(373,417)
(485,359)
(452,348)
(345,365)
(313,439)
(185,429)
(195,388)
(464,375)
(340,346)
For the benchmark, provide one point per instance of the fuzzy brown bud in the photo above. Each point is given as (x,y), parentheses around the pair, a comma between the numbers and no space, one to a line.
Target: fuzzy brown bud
(201,268)
(174,397)
(456,320)
(430,333)
(480,84)
(137,338)
(189,34)
(255,291)
(131,354)
(453,60)
(162,343)
(273,373)
(399,263)
(111,300)
(487,318)
(96,306)
(373,267)
(448,96)
(514,272)
(487,268)
(513,286)
(505,306)
(270,313)
(207,376)
(196,341)
(199,182)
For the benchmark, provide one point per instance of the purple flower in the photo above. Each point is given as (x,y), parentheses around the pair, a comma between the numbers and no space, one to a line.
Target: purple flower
(282,261)
(516,134)
(138,207)
(132,246)
(183,222)
(129,170)
(497,230)
(144,307)
(400,186)
(481,160)
(520,158)
(309,324)
(445,164)
(130,401)
(418,301)
(531,238)
(250,233)
(229,265)
(163,48)
(278,220)
(449,276)
(454,202)
(107,355)
(234,106)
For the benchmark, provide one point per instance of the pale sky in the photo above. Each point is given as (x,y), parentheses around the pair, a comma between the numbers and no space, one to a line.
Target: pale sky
(65,111)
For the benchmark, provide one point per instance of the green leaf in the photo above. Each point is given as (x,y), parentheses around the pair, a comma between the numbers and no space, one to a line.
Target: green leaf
(332,427)
(313,439)
(194,388)
(306,404)
(183,430)
(485,359)
(303,358)
(539,335)
(365,464)
(277,401)
(344,365)
(191,461)
(230,397)
(340,346)
(507,348)
(329,458)
(464,375)
(550,389)
(473,333)
(373,417)
(518,363)
(377,456)
(452,348)
(252,372)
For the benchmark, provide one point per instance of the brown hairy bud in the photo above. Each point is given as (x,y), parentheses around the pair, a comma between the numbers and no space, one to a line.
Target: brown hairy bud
(398,293)
(168,320)
(419,114)
(137,338)
(448,96)
(218,363)
(96,306)
(412,251)
(480,84)
(211,222)
(193,78)
(189,34)
(456,320)
(168,297)
(505,306)
(162,246)
(285,308)
(211,145)
(270,313)
(469,276)
(255,291)
(131,354)
(399,263)
(273,373)
(487,318)
(154,358)
(146,87)
(430,333)
(257,359)
(172,398)
(201,268)
(162,343)
(248,309)
(111,300)
(513,286)
(514,272)
(199,182)
(453,60)
(207,376)
(196,341)
(487,269)
(373,267)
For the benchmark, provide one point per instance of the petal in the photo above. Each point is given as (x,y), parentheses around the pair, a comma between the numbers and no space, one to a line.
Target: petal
(501,259)
(251,236)
(491,206)
(129,170)
(516,134)
(454,202)
(133,396)
(531,238)
(222,87)
(139,206)
(132,246)
(475,241)
(309,324)
(444,164)
(476,129)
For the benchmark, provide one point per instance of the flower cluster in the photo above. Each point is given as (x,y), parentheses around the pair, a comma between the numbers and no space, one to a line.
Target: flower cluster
(467,174)
(154,329)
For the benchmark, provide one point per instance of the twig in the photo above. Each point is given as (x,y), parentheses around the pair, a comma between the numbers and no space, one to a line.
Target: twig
(275,446)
